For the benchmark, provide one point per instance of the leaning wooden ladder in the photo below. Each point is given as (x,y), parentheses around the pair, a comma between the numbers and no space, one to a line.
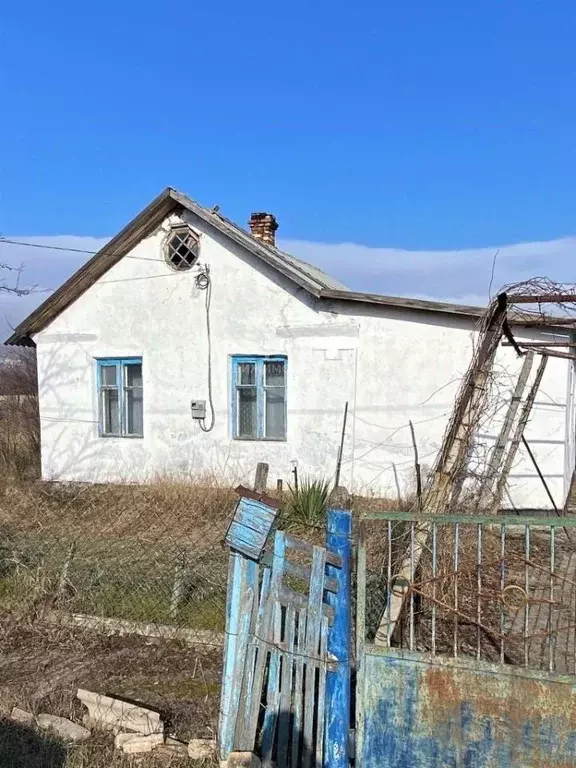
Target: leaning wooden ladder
(450,462)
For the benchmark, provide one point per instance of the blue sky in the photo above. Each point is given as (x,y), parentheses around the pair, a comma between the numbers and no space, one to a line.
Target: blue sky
(418,125)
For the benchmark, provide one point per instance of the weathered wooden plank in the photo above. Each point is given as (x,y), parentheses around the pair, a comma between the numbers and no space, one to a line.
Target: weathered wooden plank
(322,702)
(299,571)
(266,636)
(248,493)
(518,432)
(339,541)
(288,596)
(286,688)
(243,585)
(225,726)
(489,479)
(273,692)
(251,525)
(245,540)
(536,344)
(360,641)
(245,514)
(261,477)
(313,627)
(304,573)
(251,692)
(298,695)
(307,548)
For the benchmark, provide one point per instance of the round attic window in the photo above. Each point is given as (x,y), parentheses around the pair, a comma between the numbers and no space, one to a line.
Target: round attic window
(182,248)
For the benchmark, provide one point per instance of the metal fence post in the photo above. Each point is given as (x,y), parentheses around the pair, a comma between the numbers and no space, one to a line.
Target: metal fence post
(337,722)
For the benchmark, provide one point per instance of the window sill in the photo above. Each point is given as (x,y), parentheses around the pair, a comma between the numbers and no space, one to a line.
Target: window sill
(260,439)
(122,437)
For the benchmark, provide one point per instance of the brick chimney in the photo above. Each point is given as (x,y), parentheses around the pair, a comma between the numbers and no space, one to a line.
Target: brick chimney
(263,227)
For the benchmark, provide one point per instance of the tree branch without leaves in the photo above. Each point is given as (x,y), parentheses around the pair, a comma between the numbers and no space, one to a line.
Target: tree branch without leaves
(15,287)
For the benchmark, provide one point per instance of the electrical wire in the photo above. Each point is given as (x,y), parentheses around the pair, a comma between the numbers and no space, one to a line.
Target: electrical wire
(48,247)
(204,283)
(45,246)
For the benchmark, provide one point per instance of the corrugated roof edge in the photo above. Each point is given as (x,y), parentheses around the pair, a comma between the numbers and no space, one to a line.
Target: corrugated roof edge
(313,280)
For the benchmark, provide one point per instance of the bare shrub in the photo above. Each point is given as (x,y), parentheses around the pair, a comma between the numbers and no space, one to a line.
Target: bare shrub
(19,416)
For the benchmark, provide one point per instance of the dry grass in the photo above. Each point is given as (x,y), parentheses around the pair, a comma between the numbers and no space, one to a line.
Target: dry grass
(19,418)
(150,553)
(160,510)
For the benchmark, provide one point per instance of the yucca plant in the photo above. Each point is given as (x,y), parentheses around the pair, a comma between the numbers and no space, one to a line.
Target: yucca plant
(307,503)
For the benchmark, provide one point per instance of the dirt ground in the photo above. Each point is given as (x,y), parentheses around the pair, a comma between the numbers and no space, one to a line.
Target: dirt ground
(41,668)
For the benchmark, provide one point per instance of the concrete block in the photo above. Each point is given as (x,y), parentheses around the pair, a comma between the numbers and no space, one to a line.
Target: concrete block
(123,738)
(133,744)
(201,749)
(243,760)
(22,717)
(173,747)
(65,728)
(117,715)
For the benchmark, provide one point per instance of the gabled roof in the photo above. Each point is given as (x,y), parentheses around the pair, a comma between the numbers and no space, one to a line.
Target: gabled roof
(170,201)
(308,277)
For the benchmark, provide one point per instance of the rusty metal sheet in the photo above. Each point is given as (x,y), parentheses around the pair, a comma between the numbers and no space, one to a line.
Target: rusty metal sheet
(422,711)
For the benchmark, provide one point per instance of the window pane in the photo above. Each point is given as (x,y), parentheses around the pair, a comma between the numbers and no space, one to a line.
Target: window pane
(134,375)
(111,413)
(275,373)
(247,412)
(108,374)
(246,373)
(134,411)
(275,413)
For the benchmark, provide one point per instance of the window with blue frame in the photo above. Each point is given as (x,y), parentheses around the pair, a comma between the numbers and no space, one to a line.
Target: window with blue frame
(259,397)
(120,397)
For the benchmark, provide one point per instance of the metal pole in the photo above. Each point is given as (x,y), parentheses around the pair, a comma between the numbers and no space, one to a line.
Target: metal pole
(540,475)
(341,449)
(416,467)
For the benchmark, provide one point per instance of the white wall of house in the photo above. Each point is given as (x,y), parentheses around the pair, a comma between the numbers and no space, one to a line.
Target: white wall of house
(390,365)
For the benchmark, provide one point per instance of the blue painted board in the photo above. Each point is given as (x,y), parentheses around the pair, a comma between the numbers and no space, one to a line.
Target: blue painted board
(337,718)
(250,527)
(242,590)
(273,689)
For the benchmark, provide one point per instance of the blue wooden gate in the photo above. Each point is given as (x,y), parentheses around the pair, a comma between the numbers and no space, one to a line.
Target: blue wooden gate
(480,669)
(286,680)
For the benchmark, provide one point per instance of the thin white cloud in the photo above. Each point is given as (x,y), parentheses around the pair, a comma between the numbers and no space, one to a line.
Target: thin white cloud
(461,276)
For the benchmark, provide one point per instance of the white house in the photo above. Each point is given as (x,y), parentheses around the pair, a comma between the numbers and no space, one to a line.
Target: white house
(188,346)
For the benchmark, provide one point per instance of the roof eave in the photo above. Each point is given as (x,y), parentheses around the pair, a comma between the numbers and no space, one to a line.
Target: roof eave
(425,305)
(403,303)
(168,201)
(82,279)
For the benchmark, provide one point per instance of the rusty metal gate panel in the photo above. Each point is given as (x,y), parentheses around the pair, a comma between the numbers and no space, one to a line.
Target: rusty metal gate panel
(481,669)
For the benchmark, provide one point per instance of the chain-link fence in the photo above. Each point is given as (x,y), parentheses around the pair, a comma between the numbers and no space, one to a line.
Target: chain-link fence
(116,589)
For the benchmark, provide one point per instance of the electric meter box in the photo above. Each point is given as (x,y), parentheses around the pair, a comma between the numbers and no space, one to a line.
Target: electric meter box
(198,408)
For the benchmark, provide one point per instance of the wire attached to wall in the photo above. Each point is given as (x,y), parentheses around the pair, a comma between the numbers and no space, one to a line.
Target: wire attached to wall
(204,283)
